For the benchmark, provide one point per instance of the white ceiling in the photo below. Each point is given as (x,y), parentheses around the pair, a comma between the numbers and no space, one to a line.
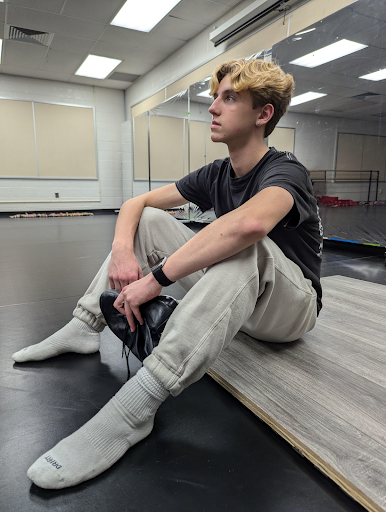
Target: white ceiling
(363,22)
(81,27)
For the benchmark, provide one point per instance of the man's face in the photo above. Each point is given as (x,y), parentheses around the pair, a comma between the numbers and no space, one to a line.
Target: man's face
(234,119)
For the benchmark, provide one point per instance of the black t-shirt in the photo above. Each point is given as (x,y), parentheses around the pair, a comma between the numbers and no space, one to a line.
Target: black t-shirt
(299,235)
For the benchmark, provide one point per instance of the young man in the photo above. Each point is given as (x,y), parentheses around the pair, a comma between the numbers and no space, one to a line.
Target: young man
(255,269)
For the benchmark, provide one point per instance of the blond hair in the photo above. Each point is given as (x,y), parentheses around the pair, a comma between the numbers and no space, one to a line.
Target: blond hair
(266,82)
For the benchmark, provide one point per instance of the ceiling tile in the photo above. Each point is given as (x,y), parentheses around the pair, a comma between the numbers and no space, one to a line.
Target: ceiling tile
(149,48)
(23,54)
(367,67)
(133,39)
(374,35)
(65,62)
(200,11)
(54,6)
(47,22)
(371,8)
(111,84)
(124,77)
(344,65)
(72,44)
(115,51)
(134,65)
(344,25)
(177,28)
(35,73)
(376,87)
(123,36)
(94,10)
(368,110)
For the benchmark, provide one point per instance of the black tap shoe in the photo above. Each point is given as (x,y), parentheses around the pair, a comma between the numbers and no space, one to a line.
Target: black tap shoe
(145,338)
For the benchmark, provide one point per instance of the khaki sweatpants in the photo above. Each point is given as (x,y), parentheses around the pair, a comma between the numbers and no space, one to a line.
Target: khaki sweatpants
(258,291)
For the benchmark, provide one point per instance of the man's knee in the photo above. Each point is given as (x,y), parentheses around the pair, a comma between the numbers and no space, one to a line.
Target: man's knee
(152,216)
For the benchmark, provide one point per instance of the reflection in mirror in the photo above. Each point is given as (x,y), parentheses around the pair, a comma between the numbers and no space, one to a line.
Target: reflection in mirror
(168,148)
(160,144)
(202,150)
(141,175)
(336,121)
(161,147)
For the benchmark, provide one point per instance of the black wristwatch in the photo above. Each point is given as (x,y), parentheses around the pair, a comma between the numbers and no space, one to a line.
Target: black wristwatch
(159,274)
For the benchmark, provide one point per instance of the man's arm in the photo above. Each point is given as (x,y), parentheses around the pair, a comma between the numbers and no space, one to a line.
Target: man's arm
(226,236)
(124,268)
(231,233)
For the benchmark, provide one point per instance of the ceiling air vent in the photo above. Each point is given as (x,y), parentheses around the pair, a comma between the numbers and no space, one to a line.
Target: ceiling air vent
(26,35)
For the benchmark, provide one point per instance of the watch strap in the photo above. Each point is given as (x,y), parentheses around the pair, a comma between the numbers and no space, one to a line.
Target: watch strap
(159,275)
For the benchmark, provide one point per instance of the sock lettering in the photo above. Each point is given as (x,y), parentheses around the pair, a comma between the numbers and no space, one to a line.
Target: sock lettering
(53,462)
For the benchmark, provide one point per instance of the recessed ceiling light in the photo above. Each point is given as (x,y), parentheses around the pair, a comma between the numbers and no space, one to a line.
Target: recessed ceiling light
(305,31)
(328,53)
(307,96)
(143,15)
(205,94)
(97,67)
(377,75)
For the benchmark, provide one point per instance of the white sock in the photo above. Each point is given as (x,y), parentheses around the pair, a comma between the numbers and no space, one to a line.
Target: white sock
(124,421)
(76,336)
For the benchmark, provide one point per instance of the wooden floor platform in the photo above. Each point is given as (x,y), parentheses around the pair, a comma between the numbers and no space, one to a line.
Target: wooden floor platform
(325,393)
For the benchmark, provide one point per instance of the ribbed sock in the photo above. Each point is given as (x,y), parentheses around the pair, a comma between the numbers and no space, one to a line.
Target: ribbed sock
(124,421)
(76,336)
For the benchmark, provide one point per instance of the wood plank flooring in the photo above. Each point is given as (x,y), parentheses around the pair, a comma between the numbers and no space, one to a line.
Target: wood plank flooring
(325,393)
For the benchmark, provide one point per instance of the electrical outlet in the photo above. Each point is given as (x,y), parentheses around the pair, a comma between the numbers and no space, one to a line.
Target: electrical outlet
(56,194)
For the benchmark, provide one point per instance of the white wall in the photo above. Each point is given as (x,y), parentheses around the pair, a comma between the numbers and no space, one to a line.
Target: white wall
(23,194)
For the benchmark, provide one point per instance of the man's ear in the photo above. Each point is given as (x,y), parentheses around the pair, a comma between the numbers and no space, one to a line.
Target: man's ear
(265,114)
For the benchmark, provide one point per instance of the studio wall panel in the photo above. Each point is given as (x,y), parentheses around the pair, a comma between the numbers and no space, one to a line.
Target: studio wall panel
(349,153)
(66,141)
(17,139)
(166,148)
(374,155)
(197,145)
(141,152)
(282,139)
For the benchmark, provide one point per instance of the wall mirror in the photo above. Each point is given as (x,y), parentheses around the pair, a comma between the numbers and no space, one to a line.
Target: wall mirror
(338,117)
(160,144)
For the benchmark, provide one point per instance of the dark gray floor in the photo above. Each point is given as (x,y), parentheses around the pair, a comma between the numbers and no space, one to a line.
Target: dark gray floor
(207,452)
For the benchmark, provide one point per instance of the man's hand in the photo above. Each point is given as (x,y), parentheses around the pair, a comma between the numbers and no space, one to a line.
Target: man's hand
(124,269)
(135,294)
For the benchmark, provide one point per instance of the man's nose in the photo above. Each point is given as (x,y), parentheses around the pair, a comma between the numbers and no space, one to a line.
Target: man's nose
(213,107)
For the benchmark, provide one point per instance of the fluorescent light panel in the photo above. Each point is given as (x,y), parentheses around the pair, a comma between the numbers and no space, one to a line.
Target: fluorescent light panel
(328,53)
(304,31)
(205,94)
(307,96)
(97,67)
(143,15)
(377,75)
